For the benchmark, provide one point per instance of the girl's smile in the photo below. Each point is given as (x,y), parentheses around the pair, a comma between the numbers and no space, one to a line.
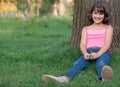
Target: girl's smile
(97,17)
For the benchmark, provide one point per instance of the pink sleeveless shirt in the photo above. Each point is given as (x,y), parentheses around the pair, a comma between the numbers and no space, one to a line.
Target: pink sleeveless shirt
(95,37)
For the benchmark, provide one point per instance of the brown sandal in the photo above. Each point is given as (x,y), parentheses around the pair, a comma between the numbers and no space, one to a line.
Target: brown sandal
(107,73)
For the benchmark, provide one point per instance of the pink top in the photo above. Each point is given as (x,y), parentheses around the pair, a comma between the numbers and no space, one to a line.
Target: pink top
(95,37)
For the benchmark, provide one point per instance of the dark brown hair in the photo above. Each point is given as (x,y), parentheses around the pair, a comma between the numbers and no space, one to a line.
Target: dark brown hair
(100,7)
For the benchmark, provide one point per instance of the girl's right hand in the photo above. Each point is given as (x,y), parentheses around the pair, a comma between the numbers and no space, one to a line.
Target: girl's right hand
(87,56)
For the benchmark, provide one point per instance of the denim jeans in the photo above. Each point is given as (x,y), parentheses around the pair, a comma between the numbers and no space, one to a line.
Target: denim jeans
(81,63)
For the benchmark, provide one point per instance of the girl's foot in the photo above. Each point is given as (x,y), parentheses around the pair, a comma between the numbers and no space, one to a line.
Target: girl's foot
(107,73)
(47,78)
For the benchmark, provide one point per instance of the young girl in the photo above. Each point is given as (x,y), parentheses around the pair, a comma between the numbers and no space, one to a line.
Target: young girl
(95,44)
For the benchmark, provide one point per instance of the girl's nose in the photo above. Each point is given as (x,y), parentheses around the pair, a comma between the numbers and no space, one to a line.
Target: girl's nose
(98,15)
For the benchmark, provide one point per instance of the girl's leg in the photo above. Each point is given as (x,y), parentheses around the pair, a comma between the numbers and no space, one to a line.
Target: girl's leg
(77,67)
(103,60)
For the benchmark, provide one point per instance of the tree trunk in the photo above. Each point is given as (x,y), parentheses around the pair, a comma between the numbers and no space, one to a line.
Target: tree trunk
(81,8)
(61,7)
(37,7)
(115,11)
(28,10)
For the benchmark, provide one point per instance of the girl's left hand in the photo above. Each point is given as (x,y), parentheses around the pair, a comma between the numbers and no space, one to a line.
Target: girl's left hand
(94,55)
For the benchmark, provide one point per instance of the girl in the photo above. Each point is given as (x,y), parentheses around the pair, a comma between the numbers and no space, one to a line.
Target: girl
(95,43)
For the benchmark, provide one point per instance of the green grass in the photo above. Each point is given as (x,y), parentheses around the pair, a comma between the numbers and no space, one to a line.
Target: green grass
(32,47)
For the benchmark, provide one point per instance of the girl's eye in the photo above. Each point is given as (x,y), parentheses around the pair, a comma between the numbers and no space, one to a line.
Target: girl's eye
(95,12)
(101,13)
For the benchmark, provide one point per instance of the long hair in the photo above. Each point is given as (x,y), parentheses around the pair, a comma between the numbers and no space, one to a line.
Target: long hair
(100,7)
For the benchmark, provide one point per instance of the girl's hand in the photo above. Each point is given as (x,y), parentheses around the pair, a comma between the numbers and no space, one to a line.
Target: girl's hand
(94,56)
(87,56)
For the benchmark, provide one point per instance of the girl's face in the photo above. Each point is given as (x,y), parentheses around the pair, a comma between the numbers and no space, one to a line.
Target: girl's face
(97,17)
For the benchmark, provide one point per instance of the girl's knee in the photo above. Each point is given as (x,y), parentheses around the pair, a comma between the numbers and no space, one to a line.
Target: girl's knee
(77,62)
(101,63)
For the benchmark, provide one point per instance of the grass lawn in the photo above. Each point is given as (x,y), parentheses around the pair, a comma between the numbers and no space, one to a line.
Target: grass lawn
(32,47)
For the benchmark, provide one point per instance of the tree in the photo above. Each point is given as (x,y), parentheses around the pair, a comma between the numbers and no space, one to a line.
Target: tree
(47,6)
(30,7)
(81,8)
(28,10)
(37,7)
(21,5)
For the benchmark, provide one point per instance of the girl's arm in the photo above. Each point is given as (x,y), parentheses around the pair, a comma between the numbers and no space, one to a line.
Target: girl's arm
(109,36)
(83,41)
(83,44)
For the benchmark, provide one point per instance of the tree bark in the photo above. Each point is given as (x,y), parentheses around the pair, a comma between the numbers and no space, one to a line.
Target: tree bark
(115,11)
(37,7)
(61,7)
(81,8)
(28,10)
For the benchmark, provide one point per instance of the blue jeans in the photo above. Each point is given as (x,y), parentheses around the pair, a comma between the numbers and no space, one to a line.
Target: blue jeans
(81,63)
